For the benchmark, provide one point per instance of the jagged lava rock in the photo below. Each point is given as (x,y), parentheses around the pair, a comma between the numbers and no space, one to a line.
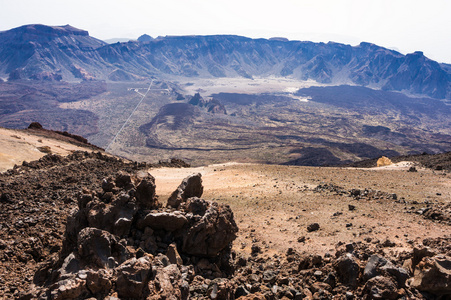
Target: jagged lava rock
(348,269)
(213,232)
(371,268)
(168,284)
(145,192)
(115,243)
(191,186)
(381,288)
(133,276)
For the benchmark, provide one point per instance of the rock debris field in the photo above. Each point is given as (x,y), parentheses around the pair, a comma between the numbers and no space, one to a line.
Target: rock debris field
(92,226)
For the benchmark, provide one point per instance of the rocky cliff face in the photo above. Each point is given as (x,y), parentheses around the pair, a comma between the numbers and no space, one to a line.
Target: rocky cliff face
(42,52)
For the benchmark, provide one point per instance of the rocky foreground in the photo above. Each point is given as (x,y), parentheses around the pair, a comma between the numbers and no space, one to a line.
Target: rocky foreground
(91,226)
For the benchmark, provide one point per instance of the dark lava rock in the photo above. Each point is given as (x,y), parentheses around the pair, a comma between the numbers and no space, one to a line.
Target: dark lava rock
(191,186)
(433,275)
(313,227)
(35,125)
(108,238)
(412,169)
(348,270)
(256,249)
(96,246)
(212,233)
(145,192)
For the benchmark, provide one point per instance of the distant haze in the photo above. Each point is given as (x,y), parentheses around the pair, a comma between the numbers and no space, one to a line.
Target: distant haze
(406,25)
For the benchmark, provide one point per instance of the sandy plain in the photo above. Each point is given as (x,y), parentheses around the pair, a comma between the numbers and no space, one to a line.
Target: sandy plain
(273,204)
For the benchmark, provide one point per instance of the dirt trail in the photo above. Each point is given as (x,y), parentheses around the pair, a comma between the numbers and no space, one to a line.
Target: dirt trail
(275,204)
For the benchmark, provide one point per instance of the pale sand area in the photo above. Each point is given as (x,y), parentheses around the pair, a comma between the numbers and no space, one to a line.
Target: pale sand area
(18,145)
(257,85)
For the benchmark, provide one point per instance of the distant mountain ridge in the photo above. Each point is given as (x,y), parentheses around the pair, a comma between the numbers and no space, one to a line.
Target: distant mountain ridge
(50,52)
(64,52)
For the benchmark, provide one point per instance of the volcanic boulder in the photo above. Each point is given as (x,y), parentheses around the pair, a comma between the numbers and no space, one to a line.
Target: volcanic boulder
(348,270)
(133,277)
(117,240)
(169,284)
(433,275)
(97,247)
(145,192)
(381,288)
(191,186)
(214,231)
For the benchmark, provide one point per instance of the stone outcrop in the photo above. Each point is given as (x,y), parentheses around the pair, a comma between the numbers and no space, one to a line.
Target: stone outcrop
(191,186)
(212,105)
(121,242)
(213,231)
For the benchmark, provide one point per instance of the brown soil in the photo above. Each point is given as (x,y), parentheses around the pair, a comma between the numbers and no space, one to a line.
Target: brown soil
(274,205)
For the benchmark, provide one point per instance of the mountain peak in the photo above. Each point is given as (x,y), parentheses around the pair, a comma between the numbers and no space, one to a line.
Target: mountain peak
(145,38)
(368,45)
(279,39)
(44,30)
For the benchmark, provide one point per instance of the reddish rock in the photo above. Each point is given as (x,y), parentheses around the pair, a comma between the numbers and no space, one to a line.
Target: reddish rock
(133,276)
(433,275)
(173,255)
(381,288)
(348,270)
(145,193)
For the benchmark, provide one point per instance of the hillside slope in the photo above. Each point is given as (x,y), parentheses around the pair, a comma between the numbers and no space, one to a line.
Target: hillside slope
(28,145)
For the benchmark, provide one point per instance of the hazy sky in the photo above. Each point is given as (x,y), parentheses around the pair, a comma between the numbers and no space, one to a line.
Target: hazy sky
(407,25)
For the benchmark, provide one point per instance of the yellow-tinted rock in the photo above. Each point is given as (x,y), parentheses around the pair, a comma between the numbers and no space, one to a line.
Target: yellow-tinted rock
(384,161)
